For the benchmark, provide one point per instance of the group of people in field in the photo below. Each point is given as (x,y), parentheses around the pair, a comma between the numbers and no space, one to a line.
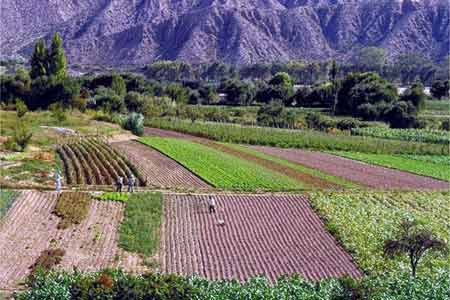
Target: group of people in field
(131,182)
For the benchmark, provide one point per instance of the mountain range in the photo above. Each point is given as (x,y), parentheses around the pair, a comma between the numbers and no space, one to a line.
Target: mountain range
(132,32)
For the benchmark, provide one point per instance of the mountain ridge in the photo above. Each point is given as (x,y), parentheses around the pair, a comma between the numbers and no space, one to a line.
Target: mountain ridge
(119,32)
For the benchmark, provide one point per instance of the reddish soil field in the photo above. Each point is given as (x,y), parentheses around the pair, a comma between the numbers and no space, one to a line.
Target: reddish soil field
(158,169)
(363,173)
(149,131)
(30,227)
(269,235)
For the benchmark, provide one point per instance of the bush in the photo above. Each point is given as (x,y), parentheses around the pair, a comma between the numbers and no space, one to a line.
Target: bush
(445,125)
(20,139)
(58,112)
(48,260)
(135,123)
(21,108)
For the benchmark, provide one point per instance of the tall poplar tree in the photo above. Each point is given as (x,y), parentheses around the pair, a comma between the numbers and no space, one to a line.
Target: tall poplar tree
(57,58)
(39,60)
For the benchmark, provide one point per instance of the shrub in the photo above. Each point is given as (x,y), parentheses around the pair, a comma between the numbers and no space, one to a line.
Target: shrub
(48,260)
(58,112)
(20,139)
(72,208)
(21,108)
(445,125)
(135,123)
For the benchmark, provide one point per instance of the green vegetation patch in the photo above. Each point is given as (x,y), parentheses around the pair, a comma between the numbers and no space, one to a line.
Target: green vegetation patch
(7,198)
(302,169)
(140,230)
(221,169)
(72,208)
(363,221)
(114,196)
(416,135)
(286,138)
(431,166)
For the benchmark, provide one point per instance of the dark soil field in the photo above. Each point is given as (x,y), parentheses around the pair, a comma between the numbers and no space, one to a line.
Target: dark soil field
(249,236)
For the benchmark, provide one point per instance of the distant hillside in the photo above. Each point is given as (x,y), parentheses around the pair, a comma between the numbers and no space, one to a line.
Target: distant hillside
(118,32)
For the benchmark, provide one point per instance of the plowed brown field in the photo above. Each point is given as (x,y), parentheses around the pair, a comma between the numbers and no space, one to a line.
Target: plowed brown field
(30,227)
(158,169)
(269,235)
(366,174)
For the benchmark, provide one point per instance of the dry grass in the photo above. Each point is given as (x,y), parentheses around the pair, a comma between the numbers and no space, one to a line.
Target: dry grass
(72,208)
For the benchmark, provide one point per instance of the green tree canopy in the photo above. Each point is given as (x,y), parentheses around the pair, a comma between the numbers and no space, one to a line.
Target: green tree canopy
(118,85)
(57,58)
(39,60)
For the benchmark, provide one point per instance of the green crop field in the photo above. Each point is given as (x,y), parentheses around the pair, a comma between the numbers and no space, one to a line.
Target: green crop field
(220,169)
(432,166)
(362,221)
(302,169)
(416,135)
(285,138)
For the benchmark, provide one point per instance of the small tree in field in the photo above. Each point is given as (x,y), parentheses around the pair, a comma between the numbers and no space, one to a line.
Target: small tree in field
(413,242)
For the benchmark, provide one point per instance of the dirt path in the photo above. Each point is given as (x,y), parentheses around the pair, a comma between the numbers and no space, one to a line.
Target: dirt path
(159,170)
(363,173)
(270,235)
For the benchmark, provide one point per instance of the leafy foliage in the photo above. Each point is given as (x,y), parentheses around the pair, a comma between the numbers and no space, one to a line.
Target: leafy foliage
(72,208)
(221,169)
(415,135)
(114,196)
(363,221)
(135,123)
(140,230)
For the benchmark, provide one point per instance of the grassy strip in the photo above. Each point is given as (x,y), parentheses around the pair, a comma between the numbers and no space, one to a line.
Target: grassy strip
(403,163)
(72,208)
(302,169)
(416,135)
(7,198)
(114,196)
(221,169)
(140,230)
(362,221)
(285,138)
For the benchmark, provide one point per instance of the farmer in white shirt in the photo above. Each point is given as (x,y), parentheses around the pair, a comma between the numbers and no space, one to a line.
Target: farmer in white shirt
(212,204)
(119,184)
(58,181)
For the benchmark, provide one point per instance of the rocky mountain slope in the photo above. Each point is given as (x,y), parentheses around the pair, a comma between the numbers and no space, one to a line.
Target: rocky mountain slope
(115,32)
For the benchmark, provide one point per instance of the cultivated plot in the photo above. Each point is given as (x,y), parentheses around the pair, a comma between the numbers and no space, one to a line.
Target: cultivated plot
(366,174)
(248,236)
(157,169)
(30,227)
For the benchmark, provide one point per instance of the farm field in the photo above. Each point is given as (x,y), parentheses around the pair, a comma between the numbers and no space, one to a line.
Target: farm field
(30,227)
(365,174)
(432,166)
(220,169)
(157,169)
(305,139)
(364,220)
(93,162)
(416,135)
(264,234)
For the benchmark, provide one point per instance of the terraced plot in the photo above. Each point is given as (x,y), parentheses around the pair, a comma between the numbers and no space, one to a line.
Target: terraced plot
(30,227)
(269,235)
(221,169)
(158,169)
(93,162)
(366,174)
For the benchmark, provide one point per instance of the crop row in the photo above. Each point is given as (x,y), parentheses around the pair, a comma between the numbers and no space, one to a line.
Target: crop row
(364,220)
(415,135)
(285,138)
(93,162)
(431,166)
(221,169)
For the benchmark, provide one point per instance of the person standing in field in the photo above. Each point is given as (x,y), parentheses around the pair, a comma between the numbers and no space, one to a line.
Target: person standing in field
(58,180)
(131,183)
(119,184)
(212,204)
